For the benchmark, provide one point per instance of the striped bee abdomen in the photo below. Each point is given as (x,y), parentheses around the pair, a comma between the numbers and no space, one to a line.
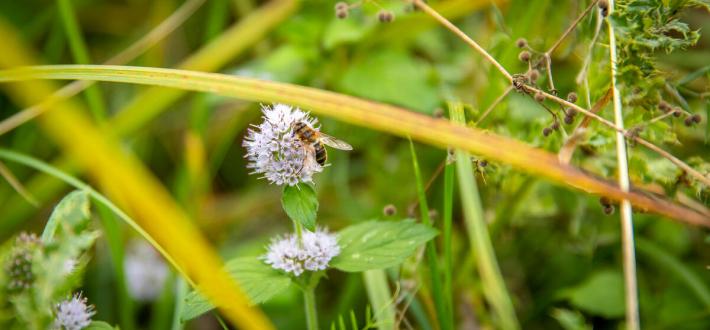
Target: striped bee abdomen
(321,155)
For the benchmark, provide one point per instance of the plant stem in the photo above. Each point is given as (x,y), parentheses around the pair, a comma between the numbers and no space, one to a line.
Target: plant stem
(627,225)
(492,281)
(448,255)
(309,299)
(444,314)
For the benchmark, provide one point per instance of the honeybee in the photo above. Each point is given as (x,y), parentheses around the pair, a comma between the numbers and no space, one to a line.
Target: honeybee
(314,142)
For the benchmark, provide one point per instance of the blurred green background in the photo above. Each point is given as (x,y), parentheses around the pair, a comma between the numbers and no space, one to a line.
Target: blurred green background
(559,254)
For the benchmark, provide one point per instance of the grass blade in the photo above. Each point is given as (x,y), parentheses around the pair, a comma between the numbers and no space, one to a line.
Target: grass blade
(444,315)
(493,285)
(380,297)
(373,115)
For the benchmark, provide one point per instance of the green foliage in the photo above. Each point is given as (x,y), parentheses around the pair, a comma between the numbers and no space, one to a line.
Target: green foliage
(301,204)
(259,281)
(602,294)
(100,325)
(379,244)
(340,324)
(57,263)
(391,76)
(643,28)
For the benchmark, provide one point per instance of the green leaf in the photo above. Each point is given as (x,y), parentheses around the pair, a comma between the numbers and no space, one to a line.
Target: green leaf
(100,325)
(392,76)
(570,320)
(72,212)
(601,294)
(379,244)
(259,281)
(301,204)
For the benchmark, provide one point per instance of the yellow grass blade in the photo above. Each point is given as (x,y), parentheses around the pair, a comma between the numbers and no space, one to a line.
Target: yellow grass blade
(126,180)
(373,115)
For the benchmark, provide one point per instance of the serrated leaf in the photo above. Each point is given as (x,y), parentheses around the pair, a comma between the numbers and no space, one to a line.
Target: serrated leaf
(301,204)
(379,244)
(100,325)
(259,282)
(601,294)
(72,212)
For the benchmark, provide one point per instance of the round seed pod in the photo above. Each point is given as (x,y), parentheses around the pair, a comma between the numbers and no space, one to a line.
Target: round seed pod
(677,112)
(688,121)
(608,210)
(521,43)
(385,16)
(664,106)
(389,210)
(482,163)
(603,7)
(546,131)
(539,97)
(524,56)
(572,97)
(568,119)
(533,75)
(555,125)
(341,14)
(696,118)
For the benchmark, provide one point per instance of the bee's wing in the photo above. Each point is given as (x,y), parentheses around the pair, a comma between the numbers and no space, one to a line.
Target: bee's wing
(334,142)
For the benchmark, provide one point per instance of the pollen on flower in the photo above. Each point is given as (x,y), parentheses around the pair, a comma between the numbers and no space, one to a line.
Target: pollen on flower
(74,313)
(274,151)
(314,252)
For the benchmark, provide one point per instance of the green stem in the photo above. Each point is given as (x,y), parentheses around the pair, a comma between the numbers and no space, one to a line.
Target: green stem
(80,54)
(482,249)
(442,307)
(309,299)
(449,171)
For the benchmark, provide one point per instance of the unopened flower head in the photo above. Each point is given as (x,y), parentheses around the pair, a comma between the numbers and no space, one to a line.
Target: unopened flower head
(275,152)
(145,271)
(73,313)
(314,252)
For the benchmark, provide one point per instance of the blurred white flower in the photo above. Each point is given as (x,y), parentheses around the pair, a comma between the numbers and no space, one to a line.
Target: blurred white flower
(73,313)
(145,271)
(313,254)
(69,266)
(275,152)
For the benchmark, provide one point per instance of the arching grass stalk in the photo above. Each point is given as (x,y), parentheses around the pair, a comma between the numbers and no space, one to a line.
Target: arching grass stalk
(391,119)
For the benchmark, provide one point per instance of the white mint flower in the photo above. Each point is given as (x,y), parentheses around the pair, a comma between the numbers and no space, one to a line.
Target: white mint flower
(313,254)
(275,152)
(145,271)
(73,313)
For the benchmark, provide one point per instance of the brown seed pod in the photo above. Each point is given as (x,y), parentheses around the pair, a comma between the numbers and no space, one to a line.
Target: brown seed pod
(521,43)
(608,210)
(533,75)
(688,121)
(546,131)
(677,112)
(482,163)
(604,201)
(555,125)
(524,56)
(696,118)
(385,16)
(389,210)
(572,97)
(568,119)
(539,97)
(603,7)
(664,106)
(341,14)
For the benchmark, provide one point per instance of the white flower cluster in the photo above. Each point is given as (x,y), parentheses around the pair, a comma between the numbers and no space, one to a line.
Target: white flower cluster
(314,252)
(145,271)
(274,151)
(73,313)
